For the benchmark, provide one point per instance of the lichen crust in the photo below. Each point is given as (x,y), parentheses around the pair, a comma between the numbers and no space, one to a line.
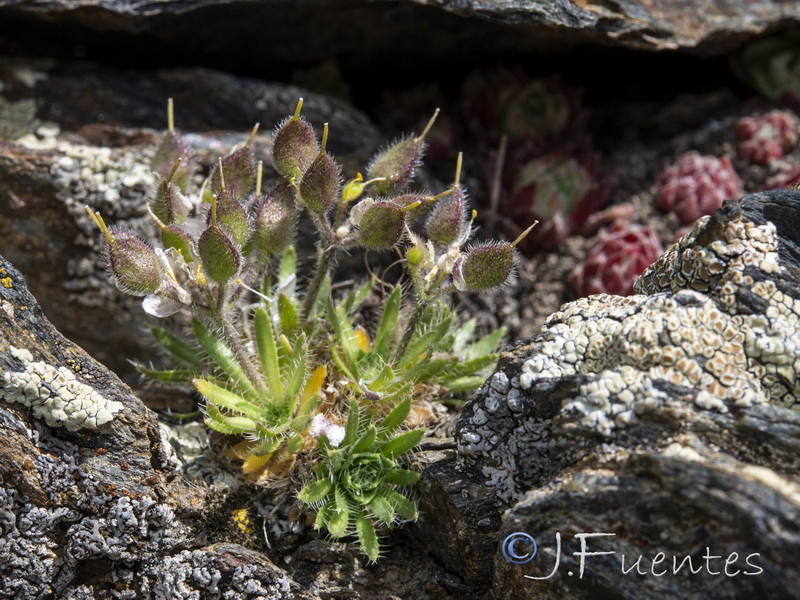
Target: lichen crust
(56,395)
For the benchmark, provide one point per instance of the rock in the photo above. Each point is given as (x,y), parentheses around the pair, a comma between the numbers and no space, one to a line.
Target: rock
(668,419)
(87,142)
(89,506)
(288,36)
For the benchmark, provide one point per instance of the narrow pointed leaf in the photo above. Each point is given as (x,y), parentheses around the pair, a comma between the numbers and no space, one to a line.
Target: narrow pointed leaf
(233,425)
(169,376)
(382,509)
(298,372)
(388,324)
(268,352)
(224,358)
(402,477)
(356,298)
(287,313)
(486,345)
(226,399)
(183,353)
(351,429)
(324,513)
(424,343)
(402,443)
(402,505)
(365,442)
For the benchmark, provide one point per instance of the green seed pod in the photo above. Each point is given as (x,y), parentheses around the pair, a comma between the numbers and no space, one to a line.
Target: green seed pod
(274,220)
(172,149)
(170,205)
(380,223)
(295,146)
(319,188)
(396,165)
(232,218)
(133,263)
(417,214)
(218,254)
(484,267)
(175,237)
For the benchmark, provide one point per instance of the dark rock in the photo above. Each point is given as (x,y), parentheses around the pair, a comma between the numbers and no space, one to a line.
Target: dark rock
(299,34)
(666,419)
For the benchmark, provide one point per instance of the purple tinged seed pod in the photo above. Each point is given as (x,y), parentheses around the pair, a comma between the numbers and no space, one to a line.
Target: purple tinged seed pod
(295,145)
(171,150)
(447,221)
(274,220)
(417,214)
(396,165)
(232,218)
(319,187)
(218,254)
(175,237)
(239,169)
(380,223)
(169,204)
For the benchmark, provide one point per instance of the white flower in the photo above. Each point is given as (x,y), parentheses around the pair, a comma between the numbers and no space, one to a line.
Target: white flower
(321,425)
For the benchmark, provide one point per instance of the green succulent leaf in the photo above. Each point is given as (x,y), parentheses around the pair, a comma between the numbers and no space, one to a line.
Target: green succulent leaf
(366,441)
(402,477)
(395,419)
(402,505)
(423,343)
(179,350)
(382,509)
(401,444)
(315,491)
(287,313)
(486,345)
(367,538)
(168,376)
(226,424)
(351,429)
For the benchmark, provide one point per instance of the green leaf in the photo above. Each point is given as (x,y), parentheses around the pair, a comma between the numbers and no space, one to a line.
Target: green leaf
(402,505)
(463,334)
(366,441)
(486,345)
(315,491)
(341,363)
(382,509)
(470,367)
(351,429)
(171,377)
(344,333)
(464,384)
(226,399)
(422,344)
(295,443)
(287,314)
(340,516)
(268,352)
(394,419)
(297,372)
(179,350)
(323,514)
(288,266)
(232,425)
(402,477)
(224,358)
(388,324)
(356,298)
(402,443)
(367,538)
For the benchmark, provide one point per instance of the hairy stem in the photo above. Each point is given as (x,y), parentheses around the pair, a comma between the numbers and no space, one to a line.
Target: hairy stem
(323,268)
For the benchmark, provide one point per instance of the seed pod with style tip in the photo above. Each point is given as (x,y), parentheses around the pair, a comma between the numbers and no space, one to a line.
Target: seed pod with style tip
(232,218)
(420,211)
(486,266)
(447,221)
(319,187)
(380,224)
(218,254)
(169,204)
(274,220)
(236,172)
(396,164)
(295,145)
(172,149)
(131,260)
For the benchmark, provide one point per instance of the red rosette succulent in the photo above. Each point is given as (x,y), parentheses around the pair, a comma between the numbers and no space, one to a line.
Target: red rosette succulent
(696,185)
(615,259)
(766,138)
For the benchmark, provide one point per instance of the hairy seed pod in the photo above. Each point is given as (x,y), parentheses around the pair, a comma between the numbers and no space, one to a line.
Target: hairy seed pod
(221,260)
(447,221)
(380,223)
(239,172)
(274,220)
(484,267)
(169,204)
(232,218)
(416,215)
(175,237)
(295,146)
(133,263)
(171,149)
(319,187)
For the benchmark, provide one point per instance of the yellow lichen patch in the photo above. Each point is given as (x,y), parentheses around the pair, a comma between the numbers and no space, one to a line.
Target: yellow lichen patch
(7,282)
(242,520)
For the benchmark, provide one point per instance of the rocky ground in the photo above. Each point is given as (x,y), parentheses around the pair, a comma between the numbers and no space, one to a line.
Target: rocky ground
(666,418)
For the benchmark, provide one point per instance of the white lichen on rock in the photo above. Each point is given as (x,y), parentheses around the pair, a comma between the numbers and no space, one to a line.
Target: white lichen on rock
(56,395)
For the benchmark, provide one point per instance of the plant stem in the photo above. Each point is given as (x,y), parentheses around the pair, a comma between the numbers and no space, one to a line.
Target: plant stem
(323,268)
(411,327)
